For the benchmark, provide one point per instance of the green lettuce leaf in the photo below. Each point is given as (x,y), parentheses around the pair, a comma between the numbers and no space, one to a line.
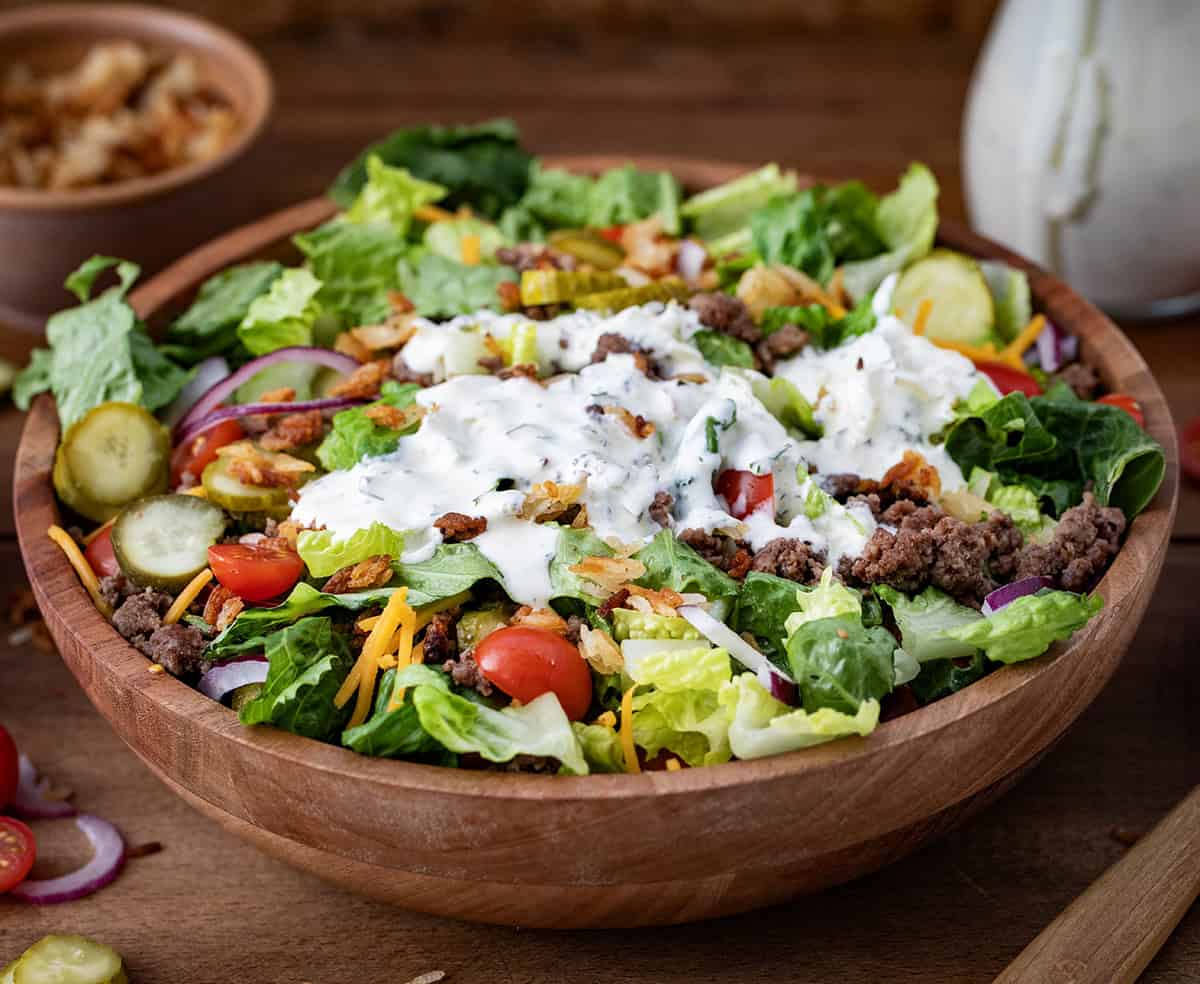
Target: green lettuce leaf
(839,663)
(672,564)
(323,555)
(390,196)
(722,350)
(284,315)
(906,221)
(558,198)
(99,352)
(631,624)
(690,724)
(824,330)
(446,238)
(357,267)
(942,677)
(308,662)
(725,210)
(573,546)
(209,325)
(787,404)
(762,725)
(828,599)
(482,166)
(397,733)
(537,728)
(924,620)
(1025,628)
(672,670)
(1010,297)
(355,436)
(601,747)
(763,607)
(442,288)
(627,194)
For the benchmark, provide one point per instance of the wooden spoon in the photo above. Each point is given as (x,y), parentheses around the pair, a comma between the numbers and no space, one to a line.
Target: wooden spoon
(1112,931)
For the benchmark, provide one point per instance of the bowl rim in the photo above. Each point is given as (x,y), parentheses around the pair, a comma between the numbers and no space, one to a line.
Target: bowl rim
(49,572)
(174,27)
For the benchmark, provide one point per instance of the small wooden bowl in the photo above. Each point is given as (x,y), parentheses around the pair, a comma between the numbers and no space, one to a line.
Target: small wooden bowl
(594,851)
(151,220)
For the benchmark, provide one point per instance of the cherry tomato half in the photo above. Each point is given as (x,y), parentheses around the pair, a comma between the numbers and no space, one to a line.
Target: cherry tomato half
(745,492)
(17,853)
(255,572)
(1189,449)
(526,663)
(1127,403)
(1009,380)
(9,769)
(195,455)
(100,555)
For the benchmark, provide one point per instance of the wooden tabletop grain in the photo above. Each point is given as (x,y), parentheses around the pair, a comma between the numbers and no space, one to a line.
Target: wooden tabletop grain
(209,909)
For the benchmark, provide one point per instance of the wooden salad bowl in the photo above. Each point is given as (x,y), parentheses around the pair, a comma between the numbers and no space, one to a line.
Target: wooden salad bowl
(607,850)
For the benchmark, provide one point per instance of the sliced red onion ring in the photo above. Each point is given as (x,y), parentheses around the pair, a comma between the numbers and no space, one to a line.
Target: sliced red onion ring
(781,688)
(1011,592)
(32,800)
(218,393)
(198,427)
(689,261)
(1048,350)
(227,677)
(720,634)
(108,856)
(208,374)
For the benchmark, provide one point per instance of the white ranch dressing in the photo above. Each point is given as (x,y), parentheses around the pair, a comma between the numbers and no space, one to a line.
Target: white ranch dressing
(481,432)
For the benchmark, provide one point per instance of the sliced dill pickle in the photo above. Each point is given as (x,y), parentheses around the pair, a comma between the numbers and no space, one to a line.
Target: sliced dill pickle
(162,542)
(556,286)
(588,246)
(113,455)
(230,492)
(667,289)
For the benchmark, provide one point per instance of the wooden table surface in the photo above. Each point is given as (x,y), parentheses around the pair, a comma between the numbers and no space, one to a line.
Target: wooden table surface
(210,909)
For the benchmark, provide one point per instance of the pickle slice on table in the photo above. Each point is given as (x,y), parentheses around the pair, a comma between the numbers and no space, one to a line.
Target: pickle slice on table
(68,960)
(230,492)
(556,286)
(162,542)
(667,289)
(116,453)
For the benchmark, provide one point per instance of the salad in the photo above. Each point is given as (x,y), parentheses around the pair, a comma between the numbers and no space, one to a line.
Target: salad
(530,470)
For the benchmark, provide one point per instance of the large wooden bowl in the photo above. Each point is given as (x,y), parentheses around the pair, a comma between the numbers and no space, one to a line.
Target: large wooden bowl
(620,850)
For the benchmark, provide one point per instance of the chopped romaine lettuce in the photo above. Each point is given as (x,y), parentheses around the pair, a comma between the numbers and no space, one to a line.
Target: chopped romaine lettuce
(397,733)
(355,436)
(691,724)
(673,564)
(763,607)
(209,325)
(787,404)
(1025,628)
(627,194)
(323,555)
(676,668)
(725,210)
(631,624)
(573,546)
(557,197)
(722,350)
(942,677)
(839,663)
(446,238)
(601,747)
(442,288)
(357,267)
(828,599)
(824,330)
(390,197)
(1010,297)
(924,620)
(284,315)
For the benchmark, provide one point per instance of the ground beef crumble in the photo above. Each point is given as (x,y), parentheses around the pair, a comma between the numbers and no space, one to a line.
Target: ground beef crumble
(534,256)
(660,508)
(1082,379)
(402,373)
(177,648)
(464,671)
(790,558)
(440,643)
(614,343)
(726,314)
(1087,537)
(724,552)
(783,343)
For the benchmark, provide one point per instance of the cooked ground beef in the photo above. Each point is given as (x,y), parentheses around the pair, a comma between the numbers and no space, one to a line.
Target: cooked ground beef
(1083,379)
(403,374)
(615,600)
(781,344)
(614,343)
(574,629)
(458,527)
(726,314)
(441,641)
(465,672)
(534,256)
(543,312)
(660,508)
(966,560)
(115,589)
(1086,539)
(177,648)
(730,555)
(790,558)
(140,614)
(841,485)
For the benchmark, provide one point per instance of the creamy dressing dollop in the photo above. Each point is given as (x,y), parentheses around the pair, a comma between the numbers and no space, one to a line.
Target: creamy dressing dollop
(485,441)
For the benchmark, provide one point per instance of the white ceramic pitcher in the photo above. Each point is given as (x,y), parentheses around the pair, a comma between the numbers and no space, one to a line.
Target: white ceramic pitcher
(1081,146)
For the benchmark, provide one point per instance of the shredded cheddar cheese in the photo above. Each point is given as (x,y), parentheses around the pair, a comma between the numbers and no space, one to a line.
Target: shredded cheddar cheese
(424,614)
(431,213)
(627,745)
(1015,350)
(187,596)
(362,676)
(976,353)
(673,765)
(923,310)
(470,250)
(82,567)
(98,531)
(404,651)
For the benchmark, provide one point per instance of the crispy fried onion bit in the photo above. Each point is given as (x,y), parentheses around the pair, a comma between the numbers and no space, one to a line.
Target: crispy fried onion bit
(597,647)
(265,469)
(396,418)
(548,501)
(540,618)
(914,471)
(636,424)
(649,601)
(608,573)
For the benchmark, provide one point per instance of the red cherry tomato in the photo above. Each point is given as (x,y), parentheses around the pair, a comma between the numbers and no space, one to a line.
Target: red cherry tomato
(1189,449)
(1127,403)
(195,455)
(746,492)
(526,663)
(9,769)
(1009,380)
(257,572)
(100,555)
(612,233)
(17,853)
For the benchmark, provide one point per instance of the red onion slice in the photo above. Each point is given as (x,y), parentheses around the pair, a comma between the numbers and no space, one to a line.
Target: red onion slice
(1049,355)
(208,374)
(690,259)
(199,426)
(32,800)
(218,393)
(108,856)
(1011,592)
(227,677)
(780,687)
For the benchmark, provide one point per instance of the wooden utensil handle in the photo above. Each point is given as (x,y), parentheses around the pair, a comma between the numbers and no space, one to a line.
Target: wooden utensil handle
(1110,933)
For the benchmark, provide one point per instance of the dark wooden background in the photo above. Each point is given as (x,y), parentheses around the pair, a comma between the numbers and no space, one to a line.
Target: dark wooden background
(836,88)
